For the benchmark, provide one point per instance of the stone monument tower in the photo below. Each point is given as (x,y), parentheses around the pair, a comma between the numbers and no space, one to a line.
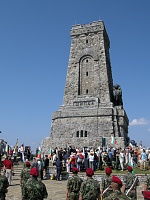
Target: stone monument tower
(92,112)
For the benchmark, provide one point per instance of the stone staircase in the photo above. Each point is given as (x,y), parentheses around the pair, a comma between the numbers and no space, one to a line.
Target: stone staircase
(18,168)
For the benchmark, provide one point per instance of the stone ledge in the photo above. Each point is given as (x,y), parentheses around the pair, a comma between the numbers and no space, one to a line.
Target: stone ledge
(97,176)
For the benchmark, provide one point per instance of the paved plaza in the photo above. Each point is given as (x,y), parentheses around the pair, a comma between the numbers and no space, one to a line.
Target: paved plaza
(56,190)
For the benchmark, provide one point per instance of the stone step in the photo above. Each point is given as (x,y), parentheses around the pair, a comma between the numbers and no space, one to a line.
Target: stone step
(18,168)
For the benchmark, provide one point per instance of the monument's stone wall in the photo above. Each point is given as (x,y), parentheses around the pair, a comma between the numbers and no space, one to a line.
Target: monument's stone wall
(92,107)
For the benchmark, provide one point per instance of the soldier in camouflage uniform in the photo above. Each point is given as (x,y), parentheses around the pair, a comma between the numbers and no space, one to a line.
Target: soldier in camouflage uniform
(90,189)
(106,183)
(128,180)
(116,187)
(73,185)
(3,187)
(146,187)
(34,189)
(25,175)
(147,183)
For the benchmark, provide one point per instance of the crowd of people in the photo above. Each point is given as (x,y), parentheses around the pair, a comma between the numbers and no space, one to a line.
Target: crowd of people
(18,153)
(111,187)
(99,158)
(74,160)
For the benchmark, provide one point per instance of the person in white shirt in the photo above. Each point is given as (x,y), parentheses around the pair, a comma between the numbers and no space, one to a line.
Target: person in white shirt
(22,152)
(144,159)
(91,160)
(121,158)
(54,159)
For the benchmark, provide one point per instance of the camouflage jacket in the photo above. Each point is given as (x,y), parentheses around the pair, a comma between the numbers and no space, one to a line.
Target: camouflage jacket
(90,189)
(147,182)
(73,185)
(117,195)
(128,180)
(106,182)
(34,190)
(25,175)
(3,186)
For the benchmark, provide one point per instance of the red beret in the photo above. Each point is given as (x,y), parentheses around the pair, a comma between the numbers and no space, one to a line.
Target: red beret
(115,179)
(129,168)
(34,172)
(89,172)
(28,164)
(108,170)
(75,169)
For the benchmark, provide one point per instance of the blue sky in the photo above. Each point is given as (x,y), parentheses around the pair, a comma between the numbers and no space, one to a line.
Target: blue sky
(34,52)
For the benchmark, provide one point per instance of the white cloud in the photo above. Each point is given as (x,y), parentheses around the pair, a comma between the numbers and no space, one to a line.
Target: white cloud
(140,121)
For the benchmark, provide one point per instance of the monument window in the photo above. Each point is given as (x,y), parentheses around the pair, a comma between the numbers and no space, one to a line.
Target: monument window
(85,134)
(81,133)
(87,73)
(87,41)
(87,60)
(77,134)
(87,91)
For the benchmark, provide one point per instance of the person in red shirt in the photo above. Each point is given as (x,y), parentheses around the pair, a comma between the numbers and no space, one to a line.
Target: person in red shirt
(8,166)
(73,160)
(4,163)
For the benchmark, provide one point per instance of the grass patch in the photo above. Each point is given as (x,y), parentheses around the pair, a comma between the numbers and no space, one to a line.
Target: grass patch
(115,171)
(136,170)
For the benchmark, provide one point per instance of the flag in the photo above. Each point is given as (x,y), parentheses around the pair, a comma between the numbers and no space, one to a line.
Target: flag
(112,140)
(67,146)
(50,153)
(130,145)
(16,146)
(16,143)
(6,149)
(83,150)
(39,153)
(103,142)
(131,164)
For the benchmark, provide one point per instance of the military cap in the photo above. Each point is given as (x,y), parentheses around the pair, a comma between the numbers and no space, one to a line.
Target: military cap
(108,170)
(129,168)
(75,169)
(34,172)
(89,172)
(115,179)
